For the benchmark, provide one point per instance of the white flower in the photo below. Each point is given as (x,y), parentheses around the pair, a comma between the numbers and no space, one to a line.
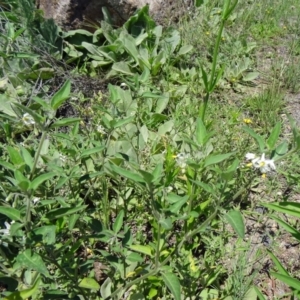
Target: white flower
(264,165)
(6,231)
(35,200)
(28,119)
(181,159)
(169,189)
(62,158)
(250,156)
(101,129)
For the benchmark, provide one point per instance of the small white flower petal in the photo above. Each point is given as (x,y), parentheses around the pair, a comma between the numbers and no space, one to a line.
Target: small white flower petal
(28,119)
(101,129)
(250,156)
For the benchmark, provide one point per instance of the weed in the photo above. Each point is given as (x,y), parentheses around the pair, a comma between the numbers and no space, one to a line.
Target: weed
(142,190)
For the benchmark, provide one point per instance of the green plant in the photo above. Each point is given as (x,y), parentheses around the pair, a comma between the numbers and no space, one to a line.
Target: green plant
(136,189)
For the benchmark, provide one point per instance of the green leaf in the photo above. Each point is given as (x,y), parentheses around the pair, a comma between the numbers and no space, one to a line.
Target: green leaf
(175,208)
(24,294)
(89,152)
(11,213)
(62,95)
(118,222)
(166,223)
(157,173)
(127,174)
(281,150)
(14,156)
(122,67)
(229,173)
(89,283)
(257,137)
(204,79)
(40,179)
(64,211)
(249,76)
(206,187)
(7,165)
(293,231)
(129,45)
(32,261)
(173,284)
(162,103)
(185,49)
(273,138)
(288,280)
(105,289)
(72,221)
(277,264)
(134,257)
(42,103)
(290,208)
(20,177)
(65,122)
(48,232)
(142,249)
(28,159)
(235,219)
(250,294)
(259,294)
(215,159)
(201,133)
(122,122)
(6,105)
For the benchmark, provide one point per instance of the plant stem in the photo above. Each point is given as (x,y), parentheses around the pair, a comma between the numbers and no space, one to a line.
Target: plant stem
(213,78)
(37,154)
(157,254)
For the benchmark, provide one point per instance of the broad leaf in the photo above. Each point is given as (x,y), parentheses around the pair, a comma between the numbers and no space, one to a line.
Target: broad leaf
(257,137)
(48,233)
(11,213)
(215,159)
(290,208)
(273,138)
(62,95)
(122,67)
(185,49)
(118,222)
(278,265)
(142,249)
(173,284)
(105,289)
(40,179)
(235,219)
(64,211)
(32,261)
(89,152)
(127,174)
(65,122)
(293,231)
(288,280)
(280,150)
(89,283)
(201,133)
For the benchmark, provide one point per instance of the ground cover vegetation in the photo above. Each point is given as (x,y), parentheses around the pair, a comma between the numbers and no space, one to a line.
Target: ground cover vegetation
(149,161)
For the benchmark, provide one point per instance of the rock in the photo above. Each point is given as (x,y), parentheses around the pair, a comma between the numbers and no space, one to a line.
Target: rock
(87,14)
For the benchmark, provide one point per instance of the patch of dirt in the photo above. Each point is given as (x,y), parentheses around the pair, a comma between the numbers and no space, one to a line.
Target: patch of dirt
(293,106)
